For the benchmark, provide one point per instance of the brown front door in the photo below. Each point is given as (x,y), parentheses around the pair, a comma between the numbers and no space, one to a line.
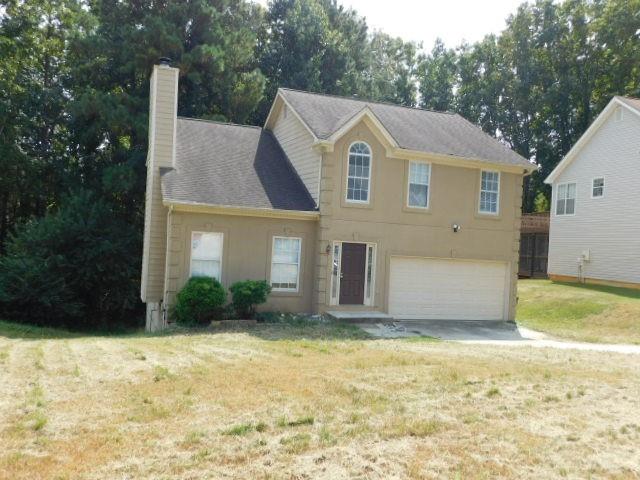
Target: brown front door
(352,273)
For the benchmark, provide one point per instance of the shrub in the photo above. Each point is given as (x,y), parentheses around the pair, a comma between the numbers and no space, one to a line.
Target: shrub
(246,295)
(77,267)
(199,301)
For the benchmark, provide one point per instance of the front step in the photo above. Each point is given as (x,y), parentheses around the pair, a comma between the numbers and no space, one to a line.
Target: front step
(355,317)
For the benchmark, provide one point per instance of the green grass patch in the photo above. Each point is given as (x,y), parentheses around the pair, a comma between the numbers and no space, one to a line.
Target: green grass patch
(161,373)
(297,443)
(493,392)
(591,313)
(298,422)
(246,428)
(239,430)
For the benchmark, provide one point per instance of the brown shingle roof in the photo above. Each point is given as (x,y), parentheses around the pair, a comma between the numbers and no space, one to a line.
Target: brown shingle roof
(232,165)
(412,128)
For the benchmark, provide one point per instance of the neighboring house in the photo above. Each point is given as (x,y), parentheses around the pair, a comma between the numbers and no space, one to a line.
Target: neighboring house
(534,245)
(340,204)
(595,212)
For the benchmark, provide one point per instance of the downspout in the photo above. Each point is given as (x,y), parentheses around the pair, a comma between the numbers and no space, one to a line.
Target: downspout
(163,306)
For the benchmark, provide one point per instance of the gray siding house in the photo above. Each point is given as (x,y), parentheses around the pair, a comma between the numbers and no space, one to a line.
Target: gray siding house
(595,212)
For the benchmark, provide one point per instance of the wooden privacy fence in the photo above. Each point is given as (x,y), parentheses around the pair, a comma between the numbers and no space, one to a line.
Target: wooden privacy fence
(534,245)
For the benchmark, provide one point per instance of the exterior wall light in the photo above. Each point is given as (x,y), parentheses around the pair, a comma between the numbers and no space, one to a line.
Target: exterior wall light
(456,227)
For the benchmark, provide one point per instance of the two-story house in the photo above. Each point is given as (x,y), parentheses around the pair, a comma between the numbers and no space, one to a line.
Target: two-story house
(595,215)
(340,204)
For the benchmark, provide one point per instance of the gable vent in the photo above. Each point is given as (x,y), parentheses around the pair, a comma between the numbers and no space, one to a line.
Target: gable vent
(618,114)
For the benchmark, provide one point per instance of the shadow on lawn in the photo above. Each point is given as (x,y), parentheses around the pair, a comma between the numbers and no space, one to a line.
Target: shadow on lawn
(287,328)
(32,332)
(618,291)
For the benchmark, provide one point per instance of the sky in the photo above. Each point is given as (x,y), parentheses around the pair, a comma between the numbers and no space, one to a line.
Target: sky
(424,21)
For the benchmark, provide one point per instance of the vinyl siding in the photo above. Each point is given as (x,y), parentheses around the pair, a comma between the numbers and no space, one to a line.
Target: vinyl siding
(296,141)
(162,118)
(608,227)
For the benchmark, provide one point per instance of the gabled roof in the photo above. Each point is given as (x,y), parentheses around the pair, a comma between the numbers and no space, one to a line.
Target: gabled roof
(407,128)
(631,104)
(232,165)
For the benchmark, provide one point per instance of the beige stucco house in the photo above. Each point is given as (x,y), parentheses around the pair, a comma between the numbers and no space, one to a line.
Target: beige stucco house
(343,205)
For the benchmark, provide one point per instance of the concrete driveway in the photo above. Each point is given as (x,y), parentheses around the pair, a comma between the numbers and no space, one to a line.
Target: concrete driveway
(484,332)
(458,330)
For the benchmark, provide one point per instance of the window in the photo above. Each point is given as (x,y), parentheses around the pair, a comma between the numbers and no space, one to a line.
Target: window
(597,189)
(335,273)
(489,192)
(419,175)
(285,264)
(359,175)
(369,279)
(566,199)
(206,254)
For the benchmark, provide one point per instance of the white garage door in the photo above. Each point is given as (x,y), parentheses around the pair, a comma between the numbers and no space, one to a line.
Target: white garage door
(447,289)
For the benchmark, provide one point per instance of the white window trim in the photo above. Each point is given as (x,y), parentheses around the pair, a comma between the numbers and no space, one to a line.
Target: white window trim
(191,251)
(497,212)
(273,248)
(604,187)
(368,301)
(555,200)
(346,185)
(428,184)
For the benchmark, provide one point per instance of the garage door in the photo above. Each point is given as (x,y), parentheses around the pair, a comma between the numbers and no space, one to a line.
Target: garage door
(446,289)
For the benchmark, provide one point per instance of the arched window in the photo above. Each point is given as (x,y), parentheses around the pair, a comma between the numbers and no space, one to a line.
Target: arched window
(359,174)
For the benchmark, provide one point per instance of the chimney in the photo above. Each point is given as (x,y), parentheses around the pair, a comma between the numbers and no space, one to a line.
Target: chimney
(163,110)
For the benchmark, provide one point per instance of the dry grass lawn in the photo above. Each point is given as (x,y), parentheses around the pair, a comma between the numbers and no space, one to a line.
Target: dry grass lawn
(270,403)
(588,313)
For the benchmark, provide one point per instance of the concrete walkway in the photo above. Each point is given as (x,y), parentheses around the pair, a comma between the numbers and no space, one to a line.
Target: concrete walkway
(485,333)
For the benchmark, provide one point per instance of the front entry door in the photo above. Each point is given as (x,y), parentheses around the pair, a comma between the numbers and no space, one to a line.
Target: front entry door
(352,273)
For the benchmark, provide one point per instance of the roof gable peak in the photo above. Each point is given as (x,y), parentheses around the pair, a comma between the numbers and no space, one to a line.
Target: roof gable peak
(603,116)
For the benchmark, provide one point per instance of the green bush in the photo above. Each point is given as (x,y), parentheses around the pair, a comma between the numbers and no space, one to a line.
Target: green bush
(246,295)
(199,301)
(77,267)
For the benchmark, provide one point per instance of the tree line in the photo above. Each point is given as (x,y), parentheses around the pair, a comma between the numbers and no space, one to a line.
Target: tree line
(74,89)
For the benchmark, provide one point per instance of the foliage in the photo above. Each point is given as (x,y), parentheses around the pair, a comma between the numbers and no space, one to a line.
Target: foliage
(75,267)
(437,77)
(246,295)
(541,203)
(199,301)
(75,84)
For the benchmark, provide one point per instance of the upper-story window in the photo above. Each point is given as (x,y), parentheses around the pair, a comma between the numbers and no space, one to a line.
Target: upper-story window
(566,199)
(418,191)
(359,174)
(489,192)
(597,187)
